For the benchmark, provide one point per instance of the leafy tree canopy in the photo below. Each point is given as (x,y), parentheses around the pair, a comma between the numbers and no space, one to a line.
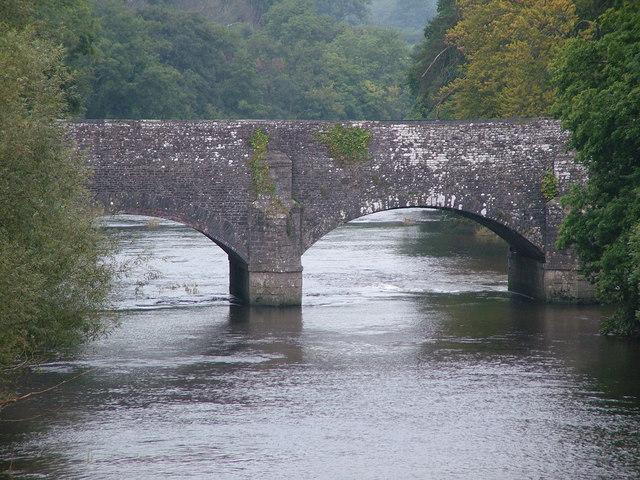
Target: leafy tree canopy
(352,11)
(507,46)
(158,62)
(599,103)
(69,23)
(408,16)
(162,63)
(225,11)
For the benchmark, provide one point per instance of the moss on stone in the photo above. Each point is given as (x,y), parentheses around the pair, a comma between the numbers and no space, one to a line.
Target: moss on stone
(259,142)
(347,145)
(549,185)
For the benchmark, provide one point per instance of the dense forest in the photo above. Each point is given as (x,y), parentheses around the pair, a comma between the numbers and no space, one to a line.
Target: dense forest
(495,58)
(271,59)
(578,60)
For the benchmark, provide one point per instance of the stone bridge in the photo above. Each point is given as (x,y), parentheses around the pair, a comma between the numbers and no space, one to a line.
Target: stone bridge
(206,174)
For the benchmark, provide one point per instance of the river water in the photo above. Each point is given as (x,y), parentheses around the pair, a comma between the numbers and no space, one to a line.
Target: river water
(408,360)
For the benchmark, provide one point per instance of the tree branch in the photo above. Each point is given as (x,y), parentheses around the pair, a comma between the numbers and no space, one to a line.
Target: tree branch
(40,392)
(434,61)
(441,100)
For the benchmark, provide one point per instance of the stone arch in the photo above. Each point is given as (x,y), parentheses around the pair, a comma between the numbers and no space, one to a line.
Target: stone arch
(488,170)
(517,241)
(526,260)
(219,231)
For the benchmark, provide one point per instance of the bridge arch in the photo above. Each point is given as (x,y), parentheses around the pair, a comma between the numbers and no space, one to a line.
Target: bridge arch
(517,241)
(218,230)
(526,259)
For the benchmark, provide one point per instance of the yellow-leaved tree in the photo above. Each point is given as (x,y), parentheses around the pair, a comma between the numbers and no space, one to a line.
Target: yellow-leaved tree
(508,46)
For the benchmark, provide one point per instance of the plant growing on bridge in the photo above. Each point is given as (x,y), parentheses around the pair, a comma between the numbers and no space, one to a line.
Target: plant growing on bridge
(549,185)
(259,142)
(347,145)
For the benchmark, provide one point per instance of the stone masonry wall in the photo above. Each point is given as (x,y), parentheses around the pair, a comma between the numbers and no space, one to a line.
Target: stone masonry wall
(197,172)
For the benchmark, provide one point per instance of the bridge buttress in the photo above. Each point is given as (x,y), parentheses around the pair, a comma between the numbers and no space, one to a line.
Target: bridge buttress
(265,286)
(552,281)
(562,278)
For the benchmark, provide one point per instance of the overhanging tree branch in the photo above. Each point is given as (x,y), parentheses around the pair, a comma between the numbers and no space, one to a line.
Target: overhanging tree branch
(26,396)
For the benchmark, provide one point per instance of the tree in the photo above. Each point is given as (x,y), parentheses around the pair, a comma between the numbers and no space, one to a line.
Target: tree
(162,63)
(407,16)
(211,59)
(590,10)
(434,63)
(69,23)
(369,68)
(130,81)
(289,53)
(599,102)
(353,11)
(54,279)
(508,46)
(312,67)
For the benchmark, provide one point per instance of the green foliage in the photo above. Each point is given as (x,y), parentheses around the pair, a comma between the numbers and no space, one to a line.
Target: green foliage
(367,66)
(508,46)
(262,183)
(225,12)
(159,62)
(589,10)
(352,11)
(259,141)
(347,145)
(408,16)
(54,281)
(492,58)
(549,185)
(69,23)
(599,103)
(314,68)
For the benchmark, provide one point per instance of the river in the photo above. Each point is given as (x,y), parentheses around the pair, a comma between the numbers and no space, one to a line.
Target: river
(408,360)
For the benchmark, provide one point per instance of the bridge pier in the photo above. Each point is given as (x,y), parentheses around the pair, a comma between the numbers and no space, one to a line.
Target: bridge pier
(212,175)
(273,275)
(551,281)
(525,275)
(266,287)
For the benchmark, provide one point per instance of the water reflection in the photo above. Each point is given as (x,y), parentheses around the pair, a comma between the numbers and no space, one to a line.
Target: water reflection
(507,325)
(262,321)
(275,330)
